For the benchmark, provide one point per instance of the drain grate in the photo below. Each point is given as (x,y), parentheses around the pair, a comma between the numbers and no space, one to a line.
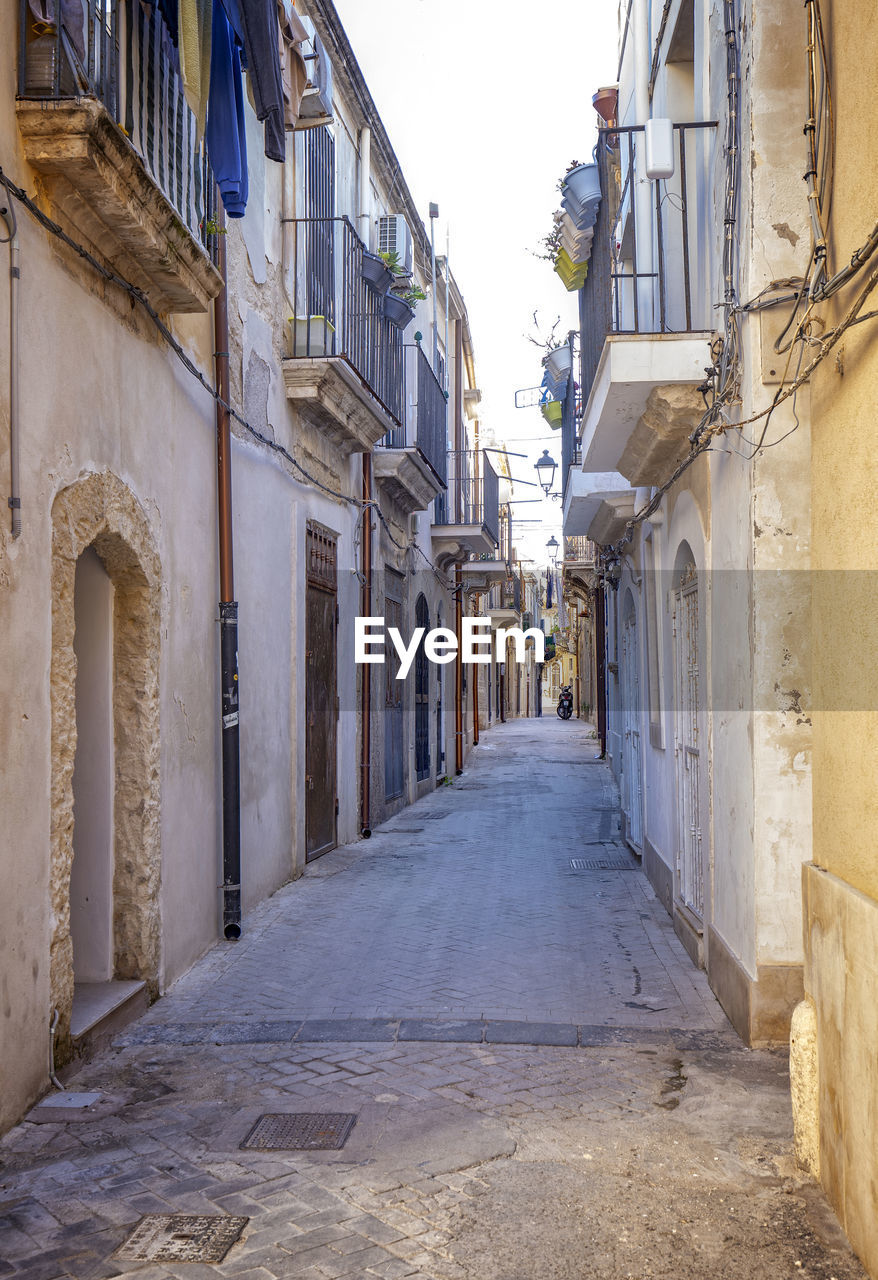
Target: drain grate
(602,864)
(300,1131)
(181,1237)
(402,831)
(438,813)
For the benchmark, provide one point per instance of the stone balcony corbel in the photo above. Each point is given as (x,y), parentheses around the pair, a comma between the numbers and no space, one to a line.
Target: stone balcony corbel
(407,478)
(332,397)
(100,186)
(644,404)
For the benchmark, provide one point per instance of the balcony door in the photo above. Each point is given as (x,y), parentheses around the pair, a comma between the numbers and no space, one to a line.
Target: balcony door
(319,206)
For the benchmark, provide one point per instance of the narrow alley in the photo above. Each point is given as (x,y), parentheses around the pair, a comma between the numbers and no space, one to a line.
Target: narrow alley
(542,1082)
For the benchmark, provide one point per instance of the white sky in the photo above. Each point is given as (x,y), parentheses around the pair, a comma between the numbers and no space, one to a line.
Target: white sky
(486,104)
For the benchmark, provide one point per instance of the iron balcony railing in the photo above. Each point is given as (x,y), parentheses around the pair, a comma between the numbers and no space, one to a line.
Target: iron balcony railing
(510,592)
(579,550)
(338,314)
(90,52)
(426,427)
(473,493)
(648,241)
(574,463)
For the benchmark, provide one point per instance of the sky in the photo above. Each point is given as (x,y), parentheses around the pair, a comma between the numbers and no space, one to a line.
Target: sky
(486,104)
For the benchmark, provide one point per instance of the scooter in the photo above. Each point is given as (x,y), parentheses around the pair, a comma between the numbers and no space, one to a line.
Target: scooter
(565,703)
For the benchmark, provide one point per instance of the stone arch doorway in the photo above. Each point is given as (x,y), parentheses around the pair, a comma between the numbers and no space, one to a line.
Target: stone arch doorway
(99,528)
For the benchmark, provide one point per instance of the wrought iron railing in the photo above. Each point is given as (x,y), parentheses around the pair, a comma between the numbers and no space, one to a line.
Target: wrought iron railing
(339,314)
(428,415)
(642,275)
(579,550)
(90,52)
(473,493)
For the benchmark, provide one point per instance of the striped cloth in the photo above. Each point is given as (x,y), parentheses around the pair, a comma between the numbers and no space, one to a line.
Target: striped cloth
(155,114)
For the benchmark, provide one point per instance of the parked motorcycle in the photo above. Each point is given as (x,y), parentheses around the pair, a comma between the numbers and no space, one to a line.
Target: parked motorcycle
(565,703)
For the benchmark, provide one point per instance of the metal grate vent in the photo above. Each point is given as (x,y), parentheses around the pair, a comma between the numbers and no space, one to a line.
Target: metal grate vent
(181,1237)
(602,864)
(300,1131)
(439,813)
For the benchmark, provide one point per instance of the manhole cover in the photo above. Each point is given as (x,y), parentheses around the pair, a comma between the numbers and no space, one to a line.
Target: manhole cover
(181,1237)
(300,1131)
(602,864)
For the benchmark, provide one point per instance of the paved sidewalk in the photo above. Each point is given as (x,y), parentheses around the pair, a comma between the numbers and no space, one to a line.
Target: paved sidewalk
(647,1143)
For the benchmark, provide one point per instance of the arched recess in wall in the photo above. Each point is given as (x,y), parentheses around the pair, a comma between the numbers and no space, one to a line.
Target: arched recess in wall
(101,512)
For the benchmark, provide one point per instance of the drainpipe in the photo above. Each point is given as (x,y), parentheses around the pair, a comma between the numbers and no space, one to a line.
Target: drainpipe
(642,191)
(14,500)
(458,672)
(365,175)
(228,606)
(366,686)
(477,604)
(600,629)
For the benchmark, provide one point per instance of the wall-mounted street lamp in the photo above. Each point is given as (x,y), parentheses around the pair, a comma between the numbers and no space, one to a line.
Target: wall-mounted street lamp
(545,470)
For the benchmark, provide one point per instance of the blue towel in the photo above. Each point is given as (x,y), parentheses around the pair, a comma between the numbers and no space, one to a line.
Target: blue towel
(225,135)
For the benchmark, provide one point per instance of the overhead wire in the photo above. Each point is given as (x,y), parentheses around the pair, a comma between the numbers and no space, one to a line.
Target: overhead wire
(113,278)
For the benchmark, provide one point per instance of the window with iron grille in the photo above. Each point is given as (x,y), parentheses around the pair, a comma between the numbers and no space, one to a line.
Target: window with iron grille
(322,557)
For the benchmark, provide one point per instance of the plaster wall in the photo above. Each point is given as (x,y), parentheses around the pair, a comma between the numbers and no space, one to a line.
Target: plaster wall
(841,888)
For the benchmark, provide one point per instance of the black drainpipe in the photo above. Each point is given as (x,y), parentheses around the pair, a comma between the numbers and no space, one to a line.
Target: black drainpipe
(228,607)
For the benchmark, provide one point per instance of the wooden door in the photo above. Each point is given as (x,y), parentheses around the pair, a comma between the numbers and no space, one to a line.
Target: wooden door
(321,698)
(687,745)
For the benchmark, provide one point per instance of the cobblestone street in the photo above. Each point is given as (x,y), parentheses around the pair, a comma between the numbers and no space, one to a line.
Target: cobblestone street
(543,1084)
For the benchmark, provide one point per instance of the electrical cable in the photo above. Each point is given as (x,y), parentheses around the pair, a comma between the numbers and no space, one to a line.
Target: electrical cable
(113,278)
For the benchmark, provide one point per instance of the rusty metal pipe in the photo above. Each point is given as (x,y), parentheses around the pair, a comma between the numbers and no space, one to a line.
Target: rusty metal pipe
(476,701)
(366,678)
(458,672)
(228,607)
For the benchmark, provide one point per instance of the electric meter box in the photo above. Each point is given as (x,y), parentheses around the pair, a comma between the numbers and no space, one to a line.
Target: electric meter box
(659,149)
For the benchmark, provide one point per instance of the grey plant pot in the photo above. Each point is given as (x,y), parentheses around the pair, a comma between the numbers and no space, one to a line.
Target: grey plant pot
(398,311)
(376,272)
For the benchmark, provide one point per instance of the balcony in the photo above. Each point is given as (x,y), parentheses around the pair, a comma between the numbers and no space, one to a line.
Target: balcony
(118,154)
(467,515)
(346,369)
(645,308)
(597,505)
(507,612)
(410,465)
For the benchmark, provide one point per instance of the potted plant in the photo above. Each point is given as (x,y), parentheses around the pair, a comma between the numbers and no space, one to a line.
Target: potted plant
(398,310)
(572,274)
(552,411)
(376,272)
(581,194)
(400,302)
(558,364)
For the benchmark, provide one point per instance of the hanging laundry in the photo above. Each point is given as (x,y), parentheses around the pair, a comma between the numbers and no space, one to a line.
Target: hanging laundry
(259,30)
(194,22)
(294,71)
(170,12)
(226,138)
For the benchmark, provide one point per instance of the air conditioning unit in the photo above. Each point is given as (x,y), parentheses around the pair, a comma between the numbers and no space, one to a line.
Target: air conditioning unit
(394,236)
